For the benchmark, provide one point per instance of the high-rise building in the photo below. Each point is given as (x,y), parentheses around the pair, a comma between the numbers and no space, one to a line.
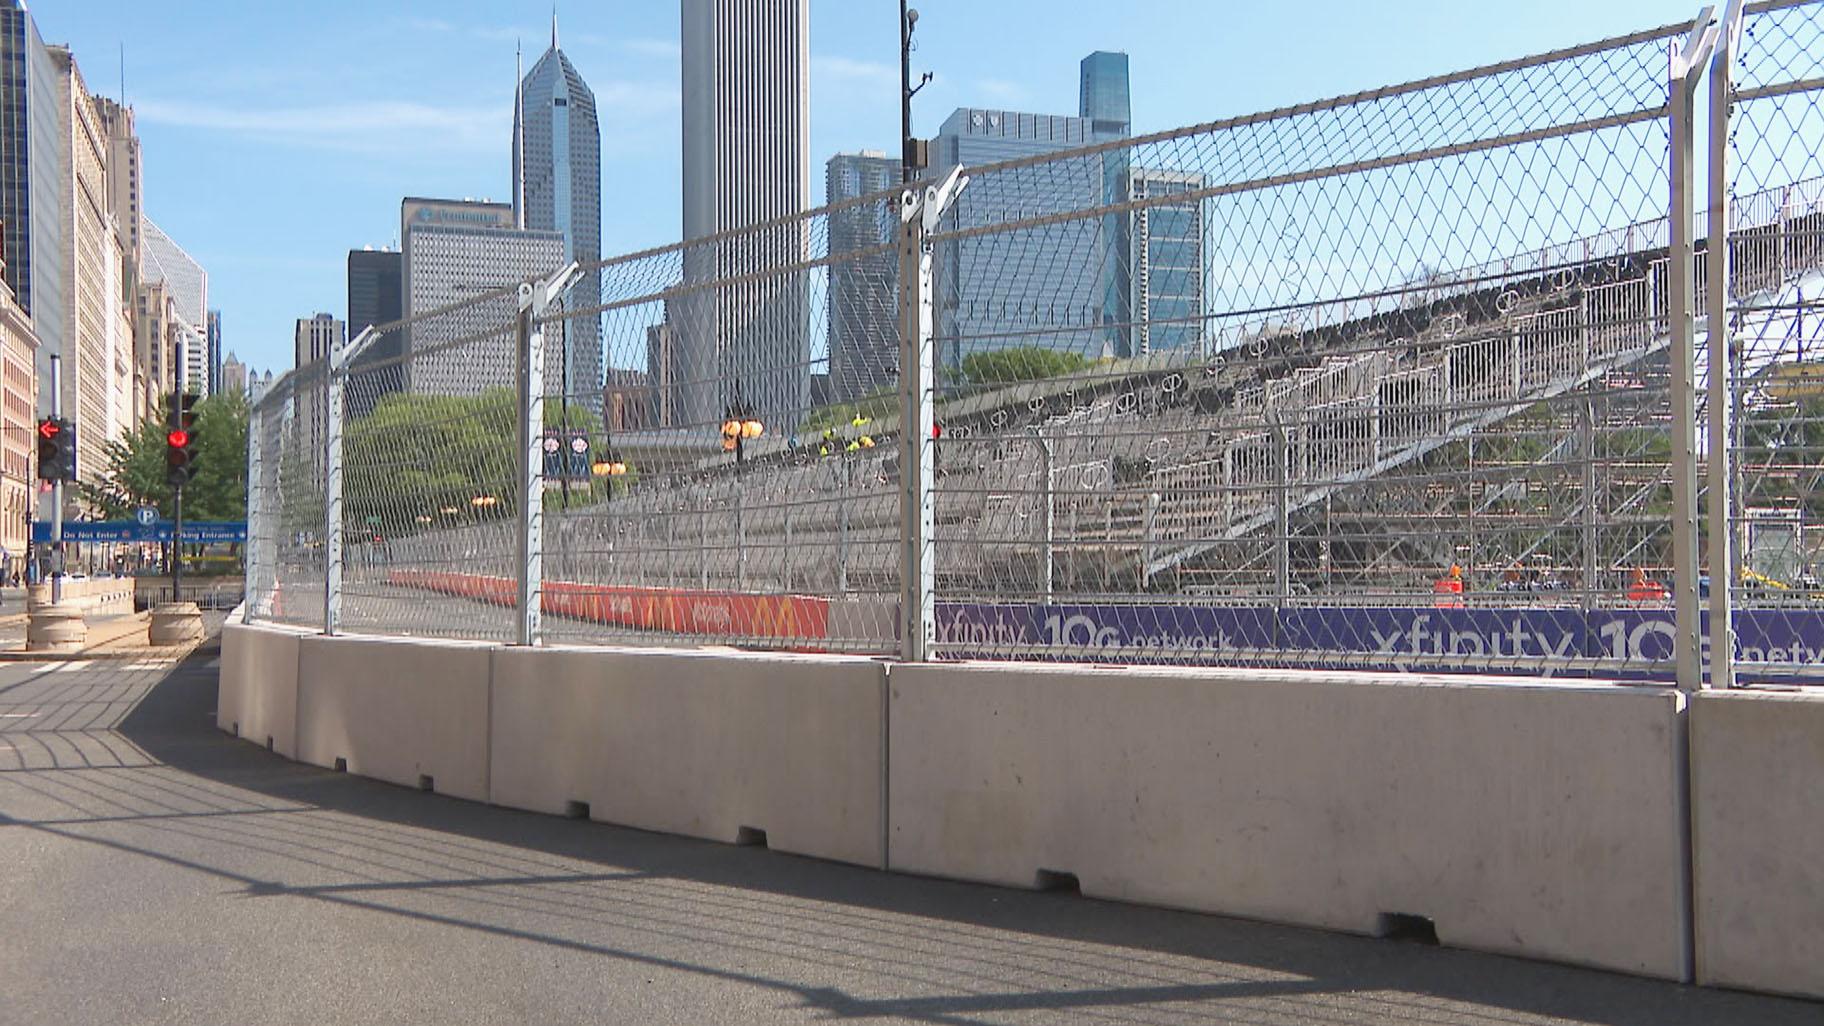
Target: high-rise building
(315,338)
(31,228)
(662,373)
(746,161)
(215,350)
(454,251)
(234,376)
(1103,98)
(95,345)
(157,333)
(375,299)
(164,262)
(557,174)
(18,397)
(1045,287)
(1170,260)
(126,176)
(312,341)
(864,287)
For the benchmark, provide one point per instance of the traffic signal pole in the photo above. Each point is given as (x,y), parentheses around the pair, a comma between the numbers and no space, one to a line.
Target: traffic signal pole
(177,489)
(56,487)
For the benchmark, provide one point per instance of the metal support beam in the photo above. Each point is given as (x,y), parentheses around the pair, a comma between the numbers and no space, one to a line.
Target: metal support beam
(921,212)
(535,299)
(335,382)
(1686,68)
(1723,575)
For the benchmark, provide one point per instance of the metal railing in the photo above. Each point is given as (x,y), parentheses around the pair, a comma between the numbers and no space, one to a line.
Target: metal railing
(1405,379)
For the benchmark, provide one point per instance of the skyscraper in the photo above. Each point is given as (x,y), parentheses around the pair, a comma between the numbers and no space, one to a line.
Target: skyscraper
(29,132)
(215,351)
(454,251)
(1103,98)
(375,281)
(1045,286)
(864,292)
(746,161)
(557,174)
(314,339)
(1170,259)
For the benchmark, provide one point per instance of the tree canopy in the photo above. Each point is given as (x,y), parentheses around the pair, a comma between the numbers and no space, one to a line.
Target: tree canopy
(1020,363)
(135,471)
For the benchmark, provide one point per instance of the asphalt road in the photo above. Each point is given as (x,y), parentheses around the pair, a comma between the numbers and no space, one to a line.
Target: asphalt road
(153,870)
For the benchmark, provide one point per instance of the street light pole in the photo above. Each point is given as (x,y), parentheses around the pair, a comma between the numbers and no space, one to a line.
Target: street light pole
(912,151)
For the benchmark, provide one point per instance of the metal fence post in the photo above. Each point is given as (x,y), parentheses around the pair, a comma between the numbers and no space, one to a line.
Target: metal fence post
(1686,68)
(920,215)
(1723,577)
(1048,528)
(332,493)
(529,563)
(256,514)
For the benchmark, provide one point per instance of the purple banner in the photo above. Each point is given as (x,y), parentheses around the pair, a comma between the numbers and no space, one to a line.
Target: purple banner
(1636,643)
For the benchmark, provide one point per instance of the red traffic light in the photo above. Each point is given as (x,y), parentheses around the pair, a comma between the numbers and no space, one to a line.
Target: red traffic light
(49,428)
(177,438)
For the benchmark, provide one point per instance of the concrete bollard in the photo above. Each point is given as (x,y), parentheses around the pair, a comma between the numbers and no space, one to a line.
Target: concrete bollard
(55,628)
(175,623)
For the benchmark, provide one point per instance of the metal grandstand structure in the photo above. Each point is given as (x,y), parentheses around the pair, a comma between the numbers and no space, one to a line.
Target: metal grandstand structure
(1437,404)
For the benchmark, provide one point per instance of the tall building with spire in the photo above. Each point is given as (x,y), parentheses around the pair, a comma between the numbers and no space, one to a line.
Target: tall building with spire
(557,186)
(746,162)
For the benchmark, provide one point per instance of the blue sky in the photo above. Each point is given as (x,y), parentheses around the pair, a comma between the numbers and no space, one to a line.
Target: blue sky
(278,136)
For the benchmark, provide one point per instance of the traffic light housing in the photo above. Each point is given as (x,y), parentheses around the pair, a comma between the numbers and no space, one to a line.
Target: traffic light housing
(180,441)
(56,449)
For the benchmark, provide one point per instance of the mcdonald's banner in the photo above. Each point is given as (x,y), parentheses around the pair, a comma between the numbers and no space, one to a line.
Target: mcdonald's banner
(679,611)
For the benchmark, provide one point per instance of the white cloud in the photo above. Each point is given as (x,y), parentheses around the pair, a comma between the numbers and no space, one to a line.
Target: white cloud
(386,126)
(848,69)
(1002,91)
(663,49)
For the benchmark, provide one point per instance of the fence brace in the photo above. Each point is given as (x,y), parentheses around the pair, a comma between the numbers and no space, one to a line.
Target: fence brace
(333,384)
(535,298)
(920,214)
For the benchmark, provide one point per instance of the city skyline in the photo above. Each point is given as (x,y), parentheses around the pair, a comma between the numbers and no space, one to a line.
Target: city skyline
(320,141)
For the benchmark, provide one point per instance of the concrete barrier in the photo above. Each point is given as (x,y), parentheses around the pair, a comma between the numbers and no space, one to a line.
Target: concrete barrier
(1526,818)
(257,698)
(710,744)
(95,596)
(1757,769)
(397,710)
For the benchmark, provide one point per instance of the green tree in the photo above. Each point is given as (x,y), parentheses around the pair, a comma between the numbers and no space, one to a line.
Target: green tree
(1020,363)
(417,456)
(135,471)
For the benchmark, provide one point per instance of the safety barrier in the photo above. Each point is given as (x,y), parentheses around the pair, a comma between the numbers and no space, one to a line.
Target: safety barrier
(1756,760)
(1534,820)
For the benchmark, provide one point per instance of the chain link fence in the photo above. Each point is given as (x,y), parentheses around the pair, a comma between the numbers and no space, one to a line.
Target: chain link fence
(1775,298)
(1386,381)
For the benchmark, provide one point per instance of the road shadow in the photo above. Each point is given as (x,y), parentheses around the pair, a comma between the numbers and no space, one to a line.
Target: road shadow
(546,880)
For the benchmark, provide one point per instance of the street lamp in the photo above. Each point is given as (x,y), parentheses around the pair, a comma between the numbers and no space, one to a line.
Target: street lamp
(740,424)
(912,153)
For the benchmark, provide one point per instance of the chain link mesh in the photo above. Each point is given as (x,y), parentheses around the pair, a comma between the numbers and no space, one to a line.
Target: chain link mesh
(728,486)
(1380,381)
(1416,416)
(1775,308)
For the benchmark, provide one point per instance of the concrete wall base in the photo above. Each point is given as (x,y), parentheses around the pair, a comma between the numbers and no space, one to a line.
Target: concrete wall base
(1757,770)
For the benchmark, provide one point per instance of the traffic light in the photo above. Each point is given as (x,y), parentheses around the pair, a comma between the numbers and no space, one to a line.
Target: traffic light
(56,449)
(180,441)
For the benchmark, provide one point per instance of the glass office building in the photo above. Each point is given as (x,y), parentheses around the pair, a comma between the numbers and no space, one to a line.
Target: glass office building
(864,291)
(557,168)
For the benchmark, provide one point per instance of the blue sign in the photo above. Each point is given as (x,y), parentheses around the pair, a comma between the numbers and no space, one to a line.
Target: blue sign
(145,516)
(195,532)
